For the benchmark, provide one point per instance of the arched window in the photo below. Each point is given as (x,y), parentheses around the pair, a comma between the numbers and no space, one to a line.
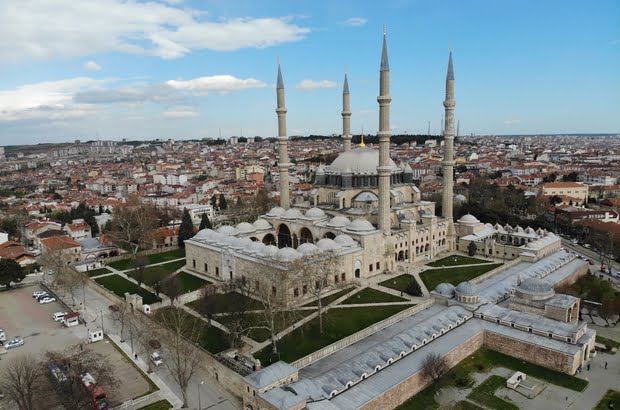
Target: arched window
(284,237)
(305,236)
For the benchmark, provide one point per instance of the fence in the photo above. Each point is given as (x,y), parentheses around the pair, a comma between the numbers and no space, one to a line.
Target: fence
(342,343)
(141,253)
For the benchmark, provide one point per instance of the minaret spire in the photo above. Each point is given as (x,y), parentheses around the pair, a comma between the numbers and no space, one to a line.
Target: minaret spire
(283,163)
(346,115)
(448,159)
(384,170)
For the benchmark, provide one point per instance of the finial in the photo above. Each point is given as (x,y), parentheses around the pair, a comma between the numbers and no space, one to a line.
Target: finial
(385,66)
(362,145)
(384,29)
(279,57)
(450,45)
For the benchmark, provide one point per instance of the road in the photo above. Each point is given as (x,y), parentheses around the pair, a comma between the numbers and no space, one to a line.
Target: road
(595,258)
(212,394)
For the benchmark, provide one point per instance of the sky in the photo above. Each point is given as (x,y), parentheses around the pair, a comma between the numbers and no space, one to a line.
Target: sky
(112,69)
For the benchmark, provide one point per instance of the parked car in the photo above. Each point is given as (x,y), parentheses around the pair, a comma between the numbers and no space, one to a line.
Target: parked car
(43,296)
(58,316)
(47,300)
(38,293)
(156,359)
(14,343)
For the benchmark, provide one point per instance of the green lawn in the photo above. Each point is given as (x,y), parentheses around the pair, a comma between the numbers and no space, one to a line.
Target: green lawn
(97,272)
(398,283)
(609,344)
(258,319)
(125,264)
(211,338)
(158,405)
(228,302)
(337,324)
(485,394)
(482,361)
(455,260)
(612,396)
(119,285)
(191,282)
(434,277)
(326,300)
(466,405)
(370,295)
(152,274)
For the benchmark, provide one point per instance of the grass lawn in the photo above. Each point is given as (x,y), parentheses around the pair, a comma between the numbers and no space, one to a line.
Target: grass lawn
(434,277)
(190,282)
(482,361)
(125,264)
(609,344)
(158,405)
(326,300)
(398,283)
(611,396)
(369,295)
(227,302)
(97,272)
(485,394)
(337,324)
(154,273)
(119,285)
(257,319)
(211,338)
(455,260)
(466,405)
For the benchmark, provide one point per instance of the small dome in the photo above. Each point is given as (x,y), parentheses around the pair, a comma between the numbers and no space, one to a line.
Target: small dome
(315,213)
(467,289)
(460,198)
(245,227)
(308,248)
(468,219)
(215,237)
(261,225)
(292,214)
(269,251)
(276,211)
(338,221)
(361,225)
(345,240)
(535,288)
(445,289)
(227,230)
(204,234)
(288,254)
(240,243)
(327,244)
(256,247)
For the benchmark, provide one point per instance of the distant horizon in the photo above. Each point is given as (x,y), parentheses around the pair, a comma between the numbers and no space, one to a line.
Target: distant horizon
(150,69)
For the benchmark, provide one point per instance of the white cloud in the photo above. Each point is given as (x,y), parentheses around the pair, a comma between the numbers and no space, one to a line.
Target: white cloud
(307,85)
(66,28)
(92,66)
(219,83)
(356,21)
(180,114)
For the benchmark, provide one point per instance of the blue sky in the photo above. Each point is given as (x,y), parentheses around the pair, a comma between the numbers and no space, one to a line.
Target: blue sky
(188,69)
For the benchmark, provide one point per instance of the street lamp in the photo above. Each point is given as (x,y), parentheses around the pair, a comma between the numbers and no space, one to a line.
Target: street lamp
(199,401)
(102,329)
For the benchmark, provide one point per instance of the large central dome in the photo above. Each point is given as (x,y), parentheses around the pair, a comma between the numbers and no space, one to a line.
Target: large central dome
(360,160)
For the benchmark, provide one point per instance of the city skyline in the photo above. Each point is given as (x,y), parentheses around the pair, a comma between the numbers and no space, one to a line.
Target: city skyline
(183,69)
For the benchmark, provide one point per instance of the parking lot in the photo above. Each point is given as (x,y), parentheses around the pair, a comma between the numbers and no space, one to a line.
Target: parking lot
(21,316)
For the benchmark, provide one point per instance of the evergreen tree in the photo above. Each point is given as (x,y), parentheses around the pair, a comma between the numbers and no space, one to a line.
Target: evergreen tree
(472,248)
(213,201)
(239,202)
(205,223)
(186,230)
(10,271)
(223,204)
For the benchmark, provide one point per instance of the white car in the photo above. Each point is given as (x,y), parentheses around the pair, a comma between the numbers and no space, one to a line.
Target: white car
(38,293)
(156,359)
(47,300)
(14,343)
(58,316)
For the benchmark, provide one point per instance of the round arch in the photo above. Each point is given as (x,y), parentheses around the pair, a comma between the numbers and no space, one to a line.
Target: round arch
(269,239)
(305,236)
(284,237)
(329,235)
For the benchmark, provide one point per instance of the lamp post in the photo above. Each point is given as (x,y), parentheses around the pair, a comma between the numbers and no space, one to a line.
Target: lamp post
(199,401)
(102,328)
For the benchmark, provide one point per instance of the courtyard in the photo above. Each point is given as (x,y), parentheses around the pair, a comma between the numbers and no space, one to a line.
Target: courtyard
(454,275)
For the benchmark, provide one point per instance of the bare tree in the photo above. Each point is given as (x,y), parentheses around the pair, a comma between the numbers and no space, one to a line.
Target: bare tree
(434,366)
(139,267)
(120,313)
(172,287)
(22,381)
(132,226)
(181,357)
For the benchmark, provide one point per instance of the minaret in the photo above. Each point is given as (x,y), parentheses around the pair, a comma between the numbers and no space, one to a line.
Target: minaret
(283,164)
(346,115)
(448,158)
(384,169)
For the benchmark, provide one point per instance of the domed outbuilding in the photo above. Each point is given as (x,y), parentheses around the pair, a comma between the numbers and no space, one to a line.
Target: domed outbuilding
(467,292)
(535,289)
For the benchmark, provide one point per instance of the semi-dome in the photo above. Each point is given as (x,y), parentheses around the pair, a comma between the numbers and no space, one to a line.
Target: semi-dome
(467,288)
(360,225)
(245,227)
(344,240)
(261,225)
(288,254)
(308,248)
(536,289)
(292,214)
(468,219)
(315,213)
(227,230)
(445,289)
(204,234)
(360,160)
(338,221)
(327,244)
(276,211)
(269,251)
